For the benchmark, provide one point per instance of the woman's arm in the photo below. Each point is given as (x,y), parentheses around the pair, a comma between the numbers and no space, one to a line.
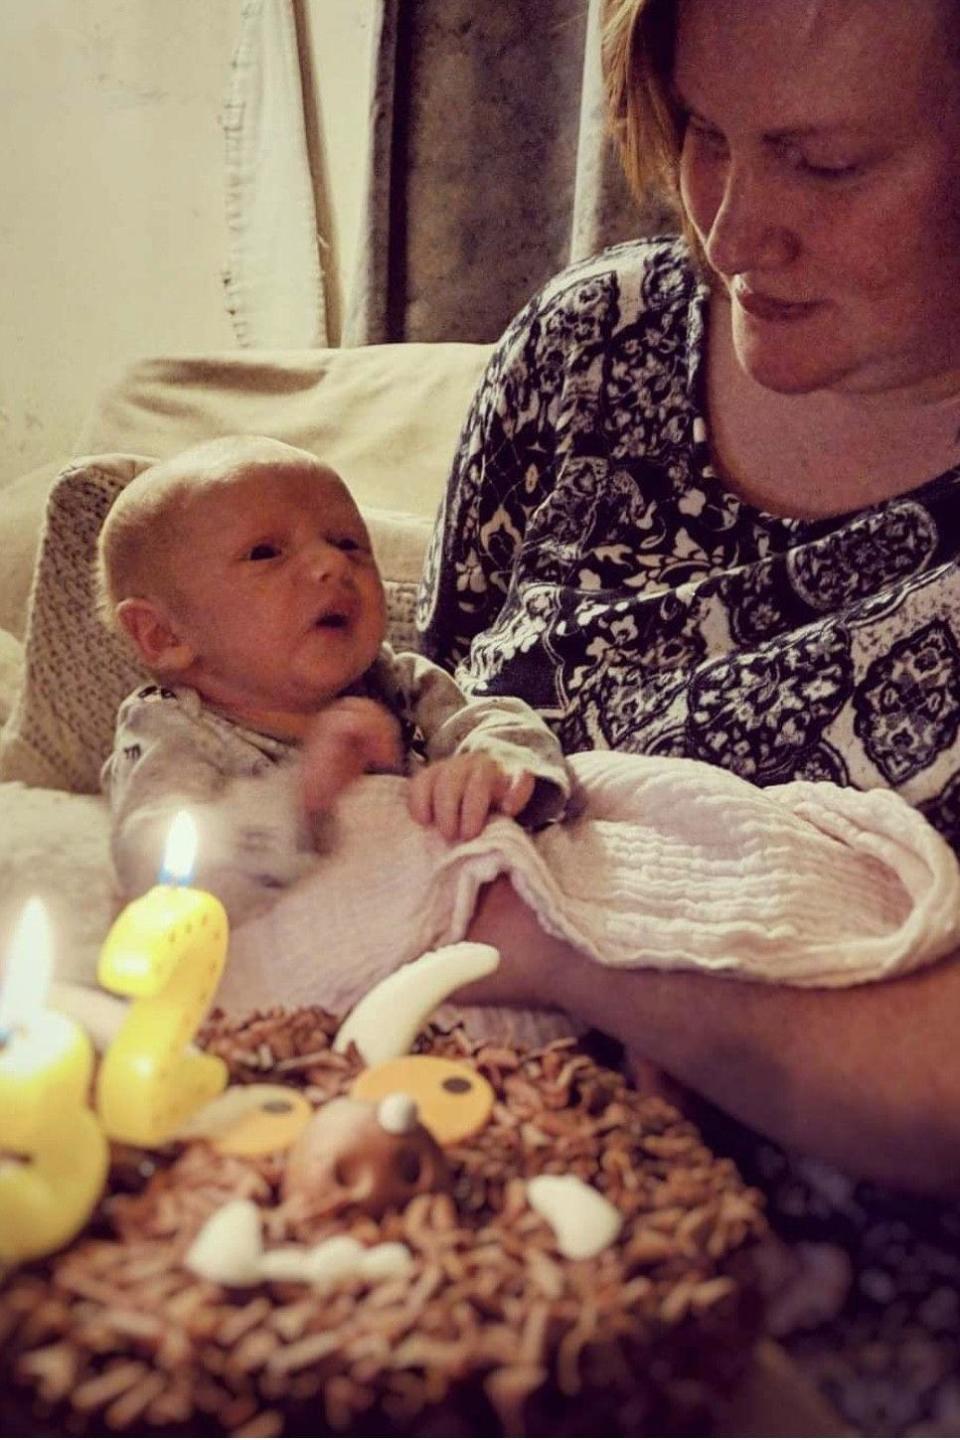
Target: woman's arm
(867,1078)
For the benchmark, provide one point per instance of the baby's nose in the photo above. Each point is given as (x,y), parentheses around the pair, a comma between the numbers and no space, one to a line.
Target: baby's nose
(324,559)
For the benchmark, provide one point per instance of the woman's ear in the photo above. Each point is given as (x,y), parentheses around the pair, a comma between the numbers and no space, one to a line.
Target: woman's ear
(154,636)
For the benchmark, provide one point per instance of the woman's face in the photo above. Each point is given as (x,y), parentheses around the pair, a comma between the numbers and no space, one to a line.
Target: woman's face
(821,171)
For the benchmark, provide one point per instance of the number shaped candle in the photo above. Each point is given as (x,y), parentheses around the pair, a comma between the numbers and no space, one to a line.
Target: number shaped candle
(53,1153)
(166,950)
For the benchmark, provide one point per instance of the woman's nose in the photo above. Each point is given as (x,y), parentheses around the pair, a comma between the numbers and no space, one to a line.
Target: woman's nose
(750,230)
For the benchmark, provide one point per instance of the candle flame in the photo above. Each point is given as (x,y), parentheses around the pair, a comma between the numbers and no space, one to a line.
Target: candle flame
(180,854)
(28,969)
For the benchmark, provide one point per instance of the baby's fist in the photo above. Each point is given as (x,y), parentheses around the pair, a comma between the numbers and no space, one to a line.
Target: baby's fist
(347,738)
(457,795)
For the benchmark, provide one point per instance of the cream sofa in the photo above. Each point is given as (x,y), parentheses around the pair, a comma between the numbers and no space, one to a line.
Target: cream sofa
(386,416)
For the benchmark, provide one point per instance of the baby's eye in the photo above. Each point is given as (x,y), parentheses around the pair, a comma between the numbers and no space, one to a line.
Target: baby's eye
(263,550)
(347,542)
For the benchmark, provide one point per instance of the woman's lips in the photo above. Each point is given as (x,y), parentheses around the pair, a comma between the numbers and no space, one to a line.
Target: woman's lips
(764,307)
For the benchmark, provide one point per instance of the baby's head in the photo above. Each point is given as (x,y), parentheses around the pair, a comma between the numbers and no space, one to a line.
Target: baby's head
(242,567)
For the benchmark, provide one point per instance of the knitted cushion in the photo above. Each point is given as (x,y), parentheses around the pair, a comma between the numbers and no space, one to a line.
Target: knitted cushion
(61,727)
(11,672)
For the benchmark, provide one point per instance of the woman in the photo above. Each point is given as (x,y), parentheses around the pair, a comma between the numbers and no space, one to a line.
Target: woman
(705,504)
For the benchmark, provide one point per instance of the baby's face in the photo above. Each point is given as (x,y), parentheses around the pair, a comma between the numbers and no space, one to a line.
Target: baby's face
(278,594)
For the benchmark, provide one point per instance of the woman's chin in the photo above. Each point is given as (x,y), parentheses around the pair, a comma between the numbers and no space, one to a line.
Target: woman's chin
(775,368)
(789,358)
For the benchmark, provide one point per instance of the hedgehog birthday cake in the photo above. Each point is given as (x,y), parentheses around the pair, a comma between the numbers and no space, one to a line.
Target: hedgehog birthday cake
(361,1236)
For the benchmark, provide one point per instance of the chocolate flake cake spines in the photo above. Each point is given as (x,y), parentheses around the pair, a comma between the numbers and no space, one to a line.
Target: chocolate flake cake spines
(491,1329)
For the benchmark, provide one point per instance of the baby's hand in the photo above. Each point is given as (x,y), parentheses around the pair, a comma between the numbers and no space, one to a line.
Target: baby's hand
(348,737)
(457,795)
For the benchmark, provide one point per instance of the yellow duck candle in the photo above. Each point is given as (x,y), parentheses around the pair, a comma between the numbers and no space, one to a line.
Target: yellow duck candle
(53,1154)
(166,951)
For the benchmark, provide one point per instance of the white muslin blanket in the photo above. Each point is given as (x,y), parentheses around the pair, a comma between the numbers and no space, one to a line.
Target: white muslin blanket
(669,863)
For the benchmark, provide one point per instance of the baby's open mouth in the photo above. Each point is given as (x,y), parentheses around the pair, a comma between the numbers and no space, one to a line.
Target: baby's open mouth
(334,621)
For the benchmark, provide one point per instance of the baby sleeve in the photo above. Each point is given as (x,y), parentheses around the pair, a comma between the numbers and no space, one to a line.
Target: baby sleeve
(504,727)
(253,841)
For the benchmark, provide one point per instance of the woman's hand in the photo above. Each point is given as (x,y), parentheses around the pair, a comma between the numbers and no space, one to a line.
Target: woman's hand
(346,739)
(457,795)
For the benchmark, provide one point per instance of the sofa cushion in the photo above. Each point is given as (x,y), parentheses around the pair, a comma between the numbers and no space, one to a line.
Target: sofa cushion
(22,503)
(386,416)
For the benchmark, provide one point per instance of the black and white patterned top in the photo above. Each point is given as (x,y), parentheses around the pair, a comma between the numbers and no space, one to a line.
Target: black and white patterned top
(589,559)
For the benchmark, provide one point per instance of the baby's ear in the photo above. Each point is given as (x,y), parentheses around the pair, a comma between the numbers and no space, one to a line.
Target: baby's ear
(153,635)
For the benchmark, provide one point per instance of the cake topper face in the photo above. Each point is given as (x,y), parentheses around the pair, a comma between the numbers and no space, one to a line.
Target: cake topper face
(373,1157)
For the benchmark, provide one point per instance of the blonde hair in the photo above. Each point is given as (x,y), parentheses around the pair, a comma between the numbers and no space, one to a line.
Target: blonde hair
(637,49)
(144,523)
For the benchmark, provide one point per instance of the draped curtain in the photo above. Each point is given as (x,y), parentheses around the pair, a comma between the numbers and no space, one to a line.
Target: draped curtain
(487,169)
(273,279)
(489,166)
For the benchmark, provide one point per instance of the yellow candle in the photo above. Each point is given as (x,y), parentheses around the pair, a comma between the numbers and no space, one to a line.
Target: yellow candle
(167,951)
(53,1154)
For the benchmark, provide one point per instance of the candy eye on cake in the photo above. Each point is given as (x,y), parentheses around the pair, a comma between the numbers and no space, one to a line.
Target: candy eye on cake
(453,1099)
(250,1120)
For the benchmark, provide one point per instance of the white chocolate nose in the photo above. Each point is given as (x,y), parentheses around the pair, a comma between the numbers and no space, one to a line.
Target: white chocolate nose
(398,1113)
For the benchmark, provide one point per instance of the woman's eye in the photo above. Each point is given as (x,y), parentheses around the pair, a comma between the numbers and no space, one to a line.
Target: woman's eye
(831,172)
(264,550)
(821,170)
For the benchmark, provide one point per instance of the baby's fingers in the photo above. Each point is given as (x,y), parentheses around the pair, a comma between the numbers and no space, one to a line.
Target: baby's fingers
(515,794)
(454,796)
(420,795)
(328,769)
(459,797)
(476,800)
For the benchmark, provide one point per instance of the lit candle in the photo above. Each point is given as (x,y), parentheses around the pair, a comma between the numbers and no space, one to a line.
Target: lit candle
(53,1154)
(166,950)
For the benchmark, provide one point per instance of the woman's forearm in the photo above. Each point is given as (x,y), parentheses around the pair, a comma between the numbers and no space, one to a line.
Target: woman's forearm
(868,1077)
